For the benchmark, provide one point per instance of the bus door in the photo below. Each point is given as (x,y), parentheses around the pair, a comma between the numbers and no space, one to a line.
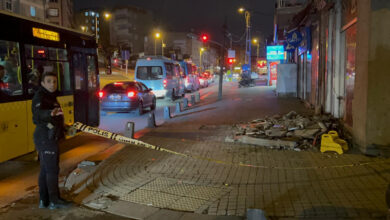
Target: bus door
(86,102)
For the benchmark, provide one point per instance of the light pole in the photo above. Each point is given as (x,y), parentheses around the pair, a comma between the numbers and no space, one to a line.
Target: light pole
(257,43)
(106,16)
(248,36)
(156,36)
(201,50)
(162,47)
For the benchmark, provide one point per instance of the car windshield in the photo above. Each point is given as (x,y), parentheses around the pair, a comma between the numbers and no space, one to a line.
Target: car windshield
(119,87)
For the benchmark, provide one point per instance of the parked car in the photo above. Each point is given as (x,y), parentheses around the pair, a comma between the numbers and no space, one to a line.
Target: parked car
(191,81)
(204,80)
(125,97)
(159,73)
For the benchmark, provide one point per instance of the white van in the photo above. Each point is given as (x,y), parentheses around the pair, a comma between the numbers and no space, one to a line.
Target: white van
(159,73)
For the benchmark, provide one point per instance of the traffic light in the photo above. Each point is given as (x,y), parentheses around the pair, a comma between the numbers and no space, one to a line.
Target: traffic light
(204,38)
(230,60)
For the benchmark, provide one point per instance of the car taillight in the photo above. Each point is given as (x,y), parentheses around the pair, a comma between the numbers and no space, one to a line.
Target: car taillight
(101,94)
(165,83)
(131,94)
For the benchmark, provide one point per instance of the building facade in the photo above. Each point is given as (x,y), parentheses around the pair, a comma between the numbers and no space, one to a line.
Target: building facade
(58,12)
(342,67)
(128,28)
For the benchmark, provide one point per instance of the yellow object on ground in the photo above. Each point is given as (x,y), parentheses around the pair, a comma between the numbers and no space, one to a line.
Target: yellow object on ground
(332,142)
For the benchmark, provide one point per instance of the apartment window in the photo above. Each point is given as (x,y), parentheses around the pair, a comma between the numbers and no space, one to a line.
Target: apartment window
(32,11)
(8,5)
(93,28)
(53,12)
(86,13)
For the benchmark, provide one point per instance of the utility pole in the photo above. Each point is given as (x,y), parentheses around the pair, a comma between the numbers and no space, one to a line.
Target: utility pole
(222,61)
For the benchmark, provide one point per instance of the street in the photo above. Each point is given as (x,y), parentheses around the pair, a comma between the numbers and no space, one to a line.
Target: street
(140,183)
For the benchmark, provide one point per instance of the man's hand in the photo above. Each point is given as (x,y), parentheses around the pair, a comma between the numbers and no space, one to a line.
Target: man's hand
(56,112)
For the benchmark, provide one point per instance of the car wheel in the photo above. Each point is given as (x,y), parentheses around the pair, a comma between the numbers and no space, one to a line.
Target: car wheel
(153,106)
(173,95)
(140,108)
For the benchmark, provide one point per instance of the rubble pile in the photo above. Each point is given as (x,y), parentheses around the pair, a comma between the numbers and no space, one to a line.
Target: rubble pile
(290,132)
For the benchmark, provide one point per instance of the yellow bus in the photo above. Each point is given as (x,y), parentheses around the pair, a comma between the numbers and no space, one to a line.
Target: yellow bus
(29,48)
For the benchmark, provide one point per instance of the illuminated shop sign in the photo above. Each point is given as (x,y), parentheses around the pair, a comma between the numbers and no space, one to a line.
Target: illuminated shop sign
(46,34)
(275,52)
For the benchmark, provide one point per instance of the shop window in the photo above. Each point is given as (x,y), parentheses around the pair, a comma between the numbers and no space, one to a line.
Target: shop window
(10,71)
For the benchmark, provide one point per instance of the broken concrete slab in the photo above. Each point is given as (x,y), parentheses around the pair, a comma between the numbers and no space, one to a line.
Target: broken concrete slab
(266,142)
(306,133)
(275,132)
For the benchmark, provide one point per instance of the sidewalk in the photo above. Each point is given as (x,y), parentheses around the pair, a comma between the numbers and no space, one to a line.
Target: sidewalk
(145,184)
(139,183)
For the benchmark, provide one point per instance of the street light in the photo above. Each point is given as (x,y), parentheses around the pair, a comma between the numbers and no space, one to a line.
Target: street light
(248,35)
(106,16)
(257,43)
(156,36)
(83,28)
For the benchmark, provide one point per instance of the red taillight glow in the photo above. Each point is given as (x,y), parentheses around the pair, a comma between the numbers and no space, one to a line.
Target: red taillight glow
(131,94)
(41,51)
(101,94)
(165,83)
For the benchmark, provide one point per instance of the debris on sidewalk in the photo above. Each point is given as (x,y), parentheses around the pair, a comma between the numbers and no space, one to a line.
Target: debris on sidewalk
(291,131)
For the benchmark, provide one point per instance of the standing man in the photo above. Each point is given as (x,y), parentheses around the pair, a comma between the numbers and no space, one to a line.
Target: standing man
(49,121)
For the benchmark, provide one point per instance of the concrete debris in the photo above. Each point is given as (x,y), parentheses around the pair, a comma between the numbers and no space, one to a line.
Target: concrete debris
(291,131)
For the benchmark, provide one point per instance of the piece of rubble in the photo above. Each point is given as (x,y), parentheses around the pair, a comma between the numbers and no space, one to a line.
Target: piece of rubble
(275,132)
(266,142)
(322,126)
(290,115)
(229,139)
(306,133)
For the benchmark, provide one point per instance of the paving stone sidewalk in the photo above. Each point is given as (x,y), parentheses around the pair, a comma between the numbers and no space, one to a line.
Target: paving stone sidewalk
(303,184)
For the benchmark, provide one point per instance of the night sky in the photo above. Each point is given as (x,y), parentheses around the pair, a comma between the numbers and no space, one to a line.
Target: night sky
(202,15)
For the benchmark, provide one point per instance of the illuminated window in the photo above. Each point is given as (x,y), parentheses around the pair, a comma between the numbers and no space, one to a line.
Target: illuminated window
(32,11)
(86,13)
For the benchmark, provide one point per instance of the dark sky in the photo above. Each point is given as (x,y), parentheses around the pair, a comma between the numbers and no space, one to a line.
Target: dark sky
(203,15)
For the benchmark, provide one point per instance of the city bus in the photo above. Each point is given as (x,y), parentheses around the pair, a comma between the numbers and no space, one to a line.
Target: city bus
(29,48)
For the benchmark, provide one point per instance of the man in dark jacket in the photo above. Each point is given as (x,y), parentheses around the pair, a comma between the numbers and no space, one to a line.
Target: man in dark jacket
(49,121)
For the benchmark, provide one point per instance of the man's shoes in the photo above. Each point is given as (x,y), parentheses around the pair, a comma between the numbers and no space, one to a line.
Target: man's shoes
(59,204)
(43,204)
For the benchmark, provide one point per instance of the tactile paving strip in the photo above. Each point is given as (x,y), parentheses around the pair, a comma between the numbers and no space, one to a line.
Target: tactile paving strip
(174,194)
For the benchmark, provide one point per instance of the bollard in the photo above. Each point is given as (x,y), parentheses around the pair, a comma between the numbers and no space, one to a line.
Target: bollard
(151,120)
(197,97)
(129,129)
(192,99)
(178,107)
(167,112)
(185,103)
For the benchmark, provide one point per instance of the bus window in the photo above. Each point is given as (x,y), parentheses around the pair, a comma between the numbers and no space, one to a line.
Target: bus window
(40,60)
(10,75)
(176,71)
(169,69)
(142,72)
(78,71)
(156,72)
(92,79)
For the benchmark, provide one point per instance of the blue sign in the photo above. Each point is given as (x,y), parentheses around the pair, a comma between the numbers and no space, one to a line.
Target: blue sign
(294,38)
(289,47)
(275,52)
(125,54)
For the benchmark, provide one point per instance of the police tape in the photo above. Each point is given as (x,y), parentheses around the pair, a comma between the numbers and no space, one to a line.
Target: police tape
(126,140)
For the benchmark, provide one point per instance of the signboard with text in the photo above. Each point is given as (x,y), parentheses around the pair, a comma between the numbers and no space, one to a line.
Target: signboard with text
(275,52)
